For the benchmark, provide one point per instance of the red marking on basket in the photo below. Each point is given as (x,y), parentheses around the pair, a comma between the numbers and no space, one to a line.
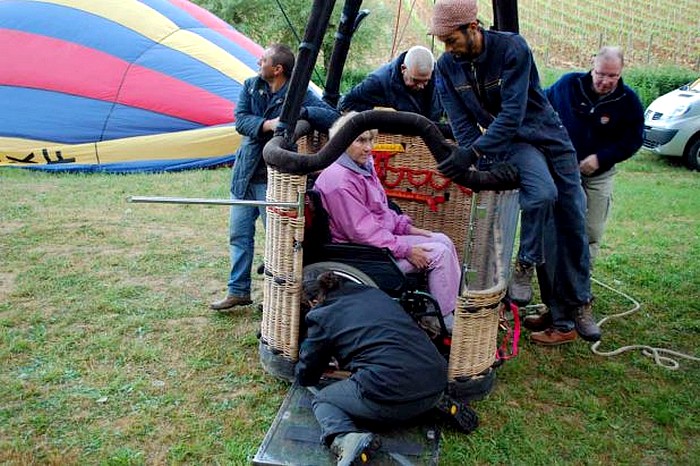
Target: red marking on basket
(284,213)
(431,201)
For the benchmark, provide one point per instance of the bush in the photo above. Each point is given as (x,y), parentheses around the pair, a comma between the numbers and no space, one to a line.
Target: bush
(650,83)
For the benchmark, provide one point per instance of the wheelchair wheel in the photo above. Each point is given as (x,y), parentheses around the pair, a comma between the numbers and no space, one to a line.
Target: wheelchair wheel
(343,271)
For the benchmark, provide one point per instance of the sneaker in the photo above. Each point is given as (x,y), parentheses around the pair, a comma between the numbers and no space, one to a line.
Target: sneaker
(586,325)
(230,301)
(355,448)
(538,322)
(520,289)
(553,337)
(460,415)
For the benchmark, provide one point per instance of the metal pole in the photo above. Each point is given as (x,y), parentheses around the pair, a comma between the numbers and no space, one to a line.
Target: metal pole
(194,200)
(298,205)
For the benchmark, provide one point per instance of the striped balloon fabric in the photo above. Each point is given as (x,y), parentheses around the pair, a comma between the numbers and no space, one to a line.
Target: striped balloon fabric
(119,85)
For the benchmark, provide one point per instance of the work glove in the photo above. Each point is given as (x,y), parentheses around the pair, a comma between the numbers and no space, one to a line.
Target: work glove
(459,162)
(502,176)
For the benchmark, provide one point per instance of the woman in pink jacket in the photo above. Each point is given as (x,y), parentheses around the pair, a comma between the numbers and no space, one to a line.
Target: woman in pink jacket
(359,213)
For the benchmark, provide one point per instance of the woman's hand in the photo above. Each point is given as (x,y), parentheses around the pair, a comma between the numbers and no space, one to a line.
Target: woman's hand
(419,231)
(418,256)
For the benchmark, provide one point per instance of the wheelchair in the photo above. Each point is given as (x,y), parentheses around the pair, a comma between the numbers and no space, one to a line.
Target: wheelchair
(372,266)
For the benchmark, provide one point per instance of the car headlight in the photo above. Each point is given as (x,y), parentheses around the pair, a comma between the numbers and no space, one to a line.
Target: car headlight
(677,112)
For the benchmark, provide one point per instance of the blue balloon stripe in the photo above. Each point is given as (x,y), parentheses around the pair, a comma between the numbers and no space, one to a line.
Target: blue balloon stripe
(126,122)
(69,119)
(173,13)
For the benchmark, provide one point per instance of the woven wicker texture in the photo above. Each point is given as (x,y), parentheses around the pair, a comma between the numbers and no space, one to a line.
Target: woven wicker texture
(283,265)
(284,235)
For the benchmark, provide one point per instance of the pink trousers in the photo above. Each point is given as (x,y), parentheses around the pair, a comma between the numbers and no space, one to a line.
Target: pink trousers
(444,270)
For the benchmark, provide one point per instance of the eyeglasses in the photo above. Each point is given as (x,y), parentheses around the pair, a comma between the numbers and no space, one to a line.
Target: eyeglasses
(416,81)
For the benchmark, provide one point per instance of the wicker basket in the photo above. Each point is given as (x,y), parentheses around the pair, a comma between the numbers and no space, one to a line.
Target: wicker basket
(482,226)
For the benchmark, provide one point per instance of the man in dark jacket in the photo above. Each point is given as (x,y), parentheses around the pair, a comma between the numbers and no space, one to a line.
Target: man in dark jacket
(605,121)
(257,114)
(396,371)
(405,84)
(488,81)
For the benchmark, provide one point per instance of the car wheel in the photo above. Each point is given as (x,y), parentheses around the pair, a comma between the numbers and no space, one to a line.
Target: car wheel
(343,271)
(692,155)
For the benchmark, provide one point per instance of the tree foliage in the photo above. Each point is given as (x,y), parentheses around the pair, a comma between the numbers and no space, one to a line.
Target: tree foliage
(284,21)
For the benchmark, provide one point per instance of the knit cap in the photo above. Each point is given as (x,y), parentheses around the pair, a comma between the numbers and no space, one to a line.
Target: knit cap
(449,15)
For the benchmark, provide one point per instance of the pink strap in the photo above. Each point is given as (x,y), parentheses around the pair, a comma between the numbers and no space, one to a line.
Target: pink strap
(511,334)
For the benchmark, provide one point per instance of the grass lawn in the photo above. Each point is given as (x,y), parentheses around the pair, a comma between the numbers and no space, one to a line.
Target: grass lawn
(109,355)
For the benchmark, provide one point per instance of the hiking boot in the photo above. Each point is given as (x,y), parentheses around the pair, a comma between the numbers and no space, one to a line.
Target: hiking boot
(230,301)
(355,448)
(586,325)
(460,415)
(553,337)
(520,289)
(538,322)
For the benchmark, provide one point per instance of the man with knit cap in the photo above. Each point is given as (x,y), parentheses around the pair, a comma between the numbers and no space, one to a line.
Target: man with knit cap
(489,86)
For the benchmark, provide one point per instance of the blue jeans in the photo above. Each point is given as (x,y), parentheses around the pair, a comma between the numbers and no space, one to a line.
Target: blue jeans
(242,239)
(553,228)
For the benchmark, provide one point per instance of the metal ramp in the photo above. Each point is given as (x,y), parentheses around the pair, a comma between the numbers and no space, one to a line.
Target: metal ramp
(294,439)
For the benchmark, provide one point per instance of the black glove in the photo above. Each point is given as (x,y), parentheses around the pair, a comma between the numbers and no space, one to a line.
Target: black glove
(502,176)
(459,161)
(505,176)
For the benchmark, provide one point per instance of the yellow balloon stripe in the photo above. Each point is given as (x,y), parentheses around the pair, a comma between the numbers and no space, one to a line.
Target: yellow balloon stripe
(215,141)
(152,24)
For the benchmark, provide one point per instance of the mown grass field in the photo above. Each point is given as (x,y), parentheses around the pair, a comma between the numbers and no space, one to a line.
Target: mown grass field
(109,355)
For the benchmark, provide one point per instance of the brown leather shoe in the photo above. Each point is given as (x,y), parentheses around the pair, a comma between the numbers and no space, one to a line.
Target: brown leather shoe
(230,301)
(538,322)
(553,337)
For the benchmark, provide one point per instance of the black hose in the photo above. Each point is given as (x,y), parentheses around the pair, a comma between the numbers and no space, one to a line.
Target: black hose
(349,22)
(406,123)
(299,82)
(410,124)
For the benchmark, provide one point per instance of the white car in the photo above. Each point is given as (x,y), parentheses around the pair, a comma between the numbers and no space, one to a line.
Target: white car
(672,125)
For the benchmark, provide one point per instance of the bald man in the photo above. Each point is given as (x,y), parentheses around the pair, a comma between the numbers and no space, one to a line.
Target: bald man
(405,84)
